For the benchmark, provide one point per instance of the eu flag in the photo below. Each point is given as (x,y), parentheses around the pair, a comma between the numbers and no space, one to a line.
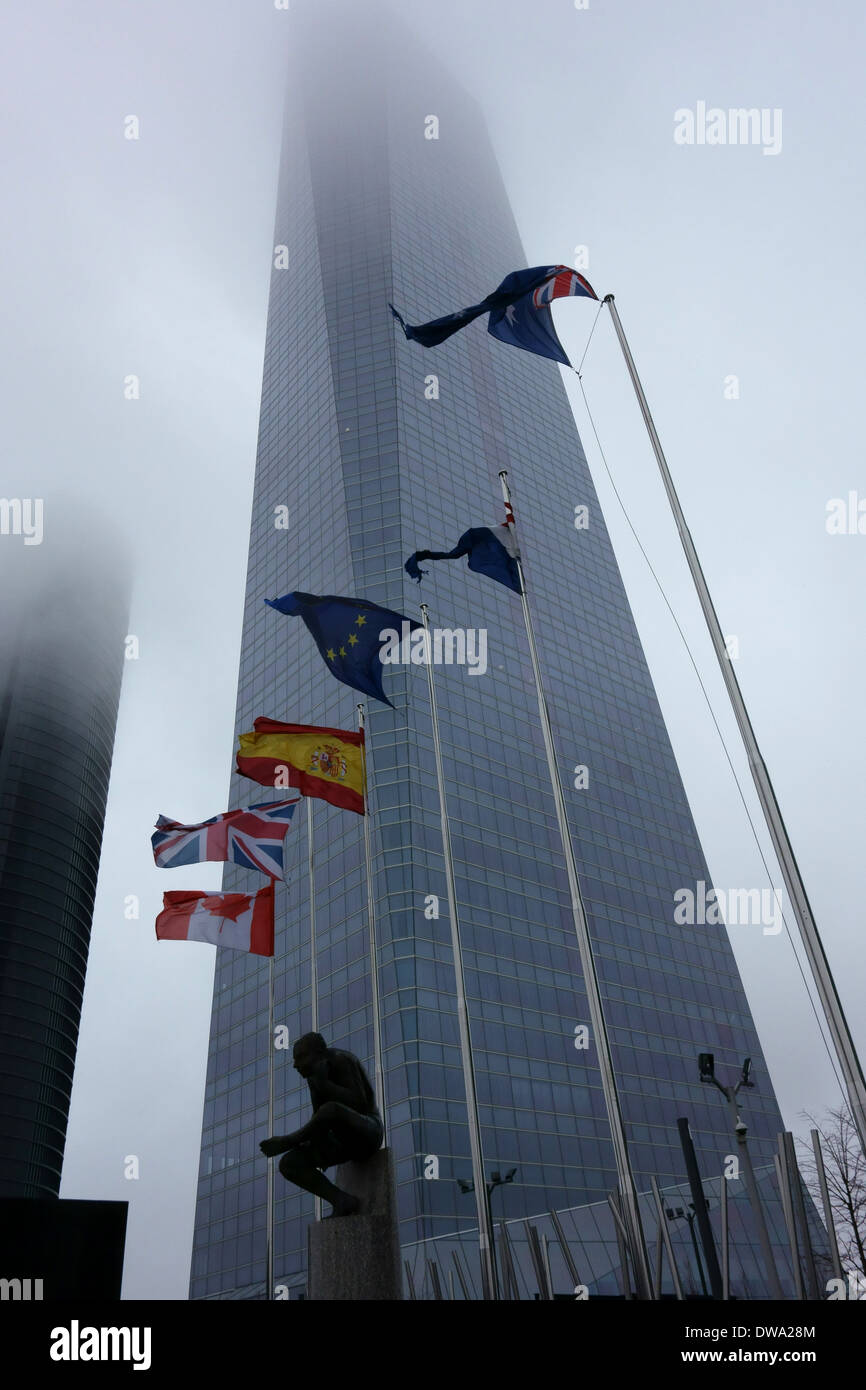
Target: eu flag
(346,631)
(519,311)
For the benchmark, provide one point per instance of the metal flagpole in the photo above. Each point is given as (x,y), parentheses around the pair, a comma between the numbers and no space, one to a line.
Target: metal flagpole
(510,1286)
(271,1070)
(622,1241)
(781,1163)
(660,1250)
(825,1202)
(628,1191)
(545,1259)
(485,1233)
(545,1291)
(270,1249)
(314,973)
(564,1247)
(726,1250)
(799,1209)
(843,1042)
(666,1237)
(699,1205)
(371,920)
(463,1284)
(314,977)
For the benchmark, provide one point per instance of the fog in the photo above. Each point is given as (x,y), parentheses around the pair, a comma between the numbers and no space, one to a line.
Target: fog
(134,282)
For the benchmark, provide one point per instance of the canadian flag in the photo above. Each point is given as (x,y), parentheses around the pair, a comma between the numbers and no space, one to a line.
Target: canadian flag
(243,921)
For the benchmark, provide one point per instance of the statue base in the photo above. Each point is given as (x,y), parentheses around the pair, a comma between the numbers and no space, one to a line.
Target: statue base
(358,1257)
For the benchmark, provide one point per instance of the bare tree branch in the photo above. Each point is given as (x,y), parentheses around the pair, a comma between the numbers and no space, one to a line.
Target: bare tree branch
(845,1167)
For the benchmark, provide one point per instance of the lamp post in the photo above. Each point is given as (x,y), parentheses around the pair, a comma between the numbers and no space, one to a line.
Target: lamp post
(690,1216)
(496,1180)
(706,1066)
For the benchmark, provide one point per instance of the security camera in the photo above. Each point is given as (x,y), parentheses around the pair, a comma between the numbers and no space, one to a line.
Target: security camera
(741,1127)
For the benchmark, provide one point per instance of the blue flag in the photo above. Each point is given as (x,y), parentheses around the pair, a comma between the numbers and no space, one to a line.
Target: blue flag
(346,631)
(519,311)
(491,550)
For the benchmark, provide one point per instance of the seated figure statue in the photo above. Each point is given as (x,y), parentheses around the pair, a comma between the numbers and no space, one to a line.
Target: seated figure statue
(346,1124)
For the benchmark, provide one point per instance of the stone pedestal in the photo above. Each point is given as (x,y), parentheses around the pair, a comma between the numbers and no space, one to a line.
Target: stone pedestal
(358,1257)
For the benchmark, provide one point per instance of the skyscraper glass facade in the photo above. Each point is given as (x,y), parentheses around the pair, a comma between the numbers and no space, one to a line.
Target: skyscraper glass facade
(60,671)
(378,448)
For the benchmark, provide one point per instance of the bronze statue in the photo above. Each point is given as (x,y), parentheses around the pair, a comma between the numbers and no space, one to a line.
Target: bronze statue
(346,1124)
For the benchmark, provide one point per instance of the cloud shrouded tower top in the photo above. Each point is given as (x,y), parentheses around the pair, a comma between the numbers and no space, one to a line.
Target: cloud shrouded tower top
(64,600)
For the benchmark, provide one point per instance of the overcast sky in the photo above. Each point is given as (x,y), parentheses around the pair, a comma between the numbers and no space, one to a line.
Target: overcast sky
(152,256)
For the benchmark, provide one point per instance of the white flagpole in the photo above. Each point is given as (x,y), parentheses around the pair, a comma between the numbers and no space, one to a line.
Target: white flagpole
(485,1232)
(825,1201)
(627,1189)
(314,977)
(371,921)
(270,1250)
(271,1068)
(314,973)
(855,1083)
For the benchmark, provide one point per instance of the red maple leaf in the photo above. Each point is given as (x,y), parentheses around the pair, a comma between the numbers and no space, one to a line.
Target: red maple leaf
(228,905)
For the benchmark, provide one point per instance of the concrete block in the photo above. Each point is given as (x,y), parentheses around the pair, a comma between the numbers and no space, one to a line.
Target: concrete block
(356,1258)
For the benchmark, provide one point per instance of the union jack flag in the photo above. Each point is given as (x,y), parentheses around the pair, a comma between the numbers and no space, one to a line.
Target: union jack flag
(564,283)
(518,312)
(252,836)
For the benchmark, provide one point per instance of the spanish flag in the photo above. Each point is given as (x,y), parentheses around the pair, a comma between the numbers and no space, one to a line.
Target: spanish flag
(328,763)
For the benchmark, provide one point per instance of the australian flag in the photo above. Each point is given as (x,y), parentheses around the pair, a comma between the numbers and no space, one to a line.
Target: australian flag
(253,836)
(346,631)
(491,550)
(519,311)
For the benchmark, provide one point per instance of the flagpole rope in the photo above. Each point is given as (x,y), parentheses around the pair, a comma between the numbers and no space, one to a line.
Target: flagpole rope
(589,339)
(685,642)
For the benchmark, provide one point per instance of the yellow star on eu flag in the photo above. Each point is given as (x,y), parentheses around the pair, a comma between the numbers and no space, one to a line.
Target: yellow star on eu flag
(345,631)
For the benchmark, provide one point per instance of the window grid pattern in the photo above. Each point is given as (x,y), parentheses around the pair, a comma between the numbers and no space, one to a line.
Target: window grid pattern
(371,469)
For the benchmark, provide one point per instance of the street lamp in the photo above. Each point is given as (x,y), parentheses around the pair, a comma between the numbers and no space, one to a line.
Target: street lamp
(496,1180)
(690,1216)
(706,1067)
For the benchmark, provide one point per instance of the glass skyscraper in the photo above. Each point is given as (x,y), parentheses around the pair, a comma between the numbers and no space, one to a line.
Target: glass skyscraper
(63,608)
(377,448)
